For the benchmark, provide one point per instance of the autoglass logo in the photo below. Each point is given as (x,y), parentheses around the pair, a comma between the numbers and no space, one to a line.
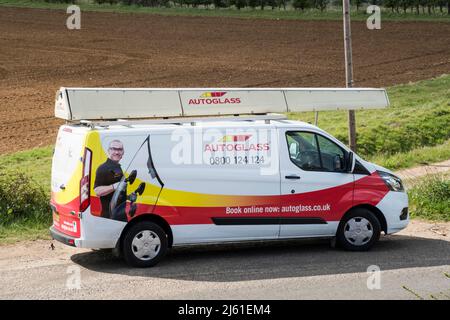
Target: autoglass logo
(216,94)
(237,142)
(213,98)
(235,138)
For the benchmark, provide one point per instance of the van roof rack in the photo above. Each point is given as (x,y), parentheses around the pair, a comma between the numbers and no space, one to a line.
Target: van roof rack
(181,120)
(104,104)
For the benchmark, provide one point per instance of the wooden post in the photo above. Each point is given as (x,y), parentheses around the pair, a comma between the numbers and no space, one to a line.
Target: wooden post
(349,71)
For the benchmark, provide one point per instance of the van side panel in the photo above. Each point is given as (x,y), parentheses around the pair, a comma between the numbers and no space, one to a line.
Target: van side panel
(104,172)
(369,189)
(196,193)
(218,190)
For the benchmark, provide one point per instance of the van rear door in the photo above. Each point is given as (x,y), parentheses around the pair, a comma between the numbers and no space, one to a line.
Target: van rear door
(65,182)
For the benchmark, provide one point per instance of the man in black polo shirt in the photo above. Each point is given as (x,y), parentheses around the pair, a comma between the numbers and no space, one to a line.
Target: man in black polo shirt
(108,176)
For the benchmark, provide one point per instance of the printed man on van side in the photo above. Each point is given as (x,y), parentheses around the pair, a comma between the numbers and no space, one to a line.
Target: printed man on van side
(108,176)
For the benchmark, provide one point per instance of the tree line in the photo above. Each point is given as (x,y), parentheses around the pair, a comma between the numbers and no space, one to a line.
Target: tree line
(398,6)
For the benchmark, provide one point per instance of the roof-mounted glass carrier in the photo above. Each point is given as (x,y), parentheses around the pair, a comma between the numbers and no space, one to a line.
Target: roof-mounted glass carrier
(88,105)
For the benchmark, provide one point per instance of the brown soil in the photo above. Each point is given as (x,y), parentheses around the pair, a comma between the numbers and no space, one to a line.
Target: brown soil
(38,55)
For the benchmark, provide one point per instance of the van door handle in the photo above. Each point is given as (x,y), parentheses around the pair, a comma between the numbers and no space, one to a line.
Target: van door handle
(62,187)
(292,177)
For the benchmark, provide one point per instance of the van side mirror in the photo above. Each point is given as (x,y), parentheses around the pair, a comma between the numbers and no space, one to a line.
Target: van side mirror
(293,150)
(132,177)
(338,163)
(349,162)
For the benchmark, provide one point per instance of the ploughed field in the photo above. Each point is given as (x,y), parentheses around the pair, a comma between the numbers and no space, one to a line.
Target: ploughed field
(38,54)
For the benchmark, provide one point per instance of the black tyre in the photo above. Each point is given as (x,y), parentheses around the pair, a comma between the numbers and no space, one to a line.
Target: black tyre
(359,230)
(144,244)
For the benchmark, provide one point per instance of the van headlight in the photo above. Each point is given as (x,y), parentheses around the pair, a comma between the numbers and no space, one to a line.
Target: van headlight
(394,183)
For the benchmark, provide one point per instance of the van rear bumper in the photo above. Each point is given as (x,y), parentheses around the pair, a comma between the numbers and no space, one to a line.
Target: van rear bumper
(61,237)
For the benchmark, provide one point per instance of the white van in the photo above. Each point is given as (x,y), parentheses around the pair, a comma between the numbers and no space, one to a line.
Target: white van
(143,186)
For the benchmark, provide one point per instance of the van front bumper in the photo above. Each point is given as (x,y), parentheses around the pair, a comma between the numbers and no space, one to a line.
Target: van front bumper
(394,207)
(61,237)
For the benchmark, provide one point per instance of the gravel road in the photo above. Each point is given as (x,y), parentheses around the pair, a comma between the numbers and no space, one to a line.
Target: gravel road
(414,264)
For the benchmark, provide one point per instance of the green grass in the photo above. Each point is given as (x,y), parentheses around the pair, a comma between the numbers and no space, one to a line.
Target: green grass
(430,198)
(414,157)
(24,208)
(419,116)
(330,14)
(35,162)
(24,230)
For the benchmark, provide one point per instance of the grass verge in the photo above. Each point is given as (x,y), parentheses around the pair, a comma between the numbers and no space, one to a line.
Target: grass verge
(35,162)
(24,209)
(24,230)
(430,198)
(413,157)
(247,13)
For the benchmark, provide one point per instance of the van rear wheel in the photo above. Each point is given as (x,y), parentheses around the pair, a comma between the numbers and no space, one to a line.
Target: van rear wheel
(359,230)
(144,244)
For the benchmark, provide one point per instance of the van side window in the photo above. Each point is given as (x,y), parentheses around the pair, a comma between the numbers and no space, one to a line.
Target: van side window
(303,150)
(333,157)
(313,152)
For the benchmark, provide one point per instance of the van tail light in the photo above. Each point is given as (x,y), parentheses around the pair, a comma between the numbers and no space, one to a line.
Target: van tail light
(85,183)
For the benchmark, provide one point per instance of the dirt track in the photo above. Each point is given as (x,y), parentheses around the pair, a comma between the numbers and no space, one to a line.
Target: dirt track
(38,55)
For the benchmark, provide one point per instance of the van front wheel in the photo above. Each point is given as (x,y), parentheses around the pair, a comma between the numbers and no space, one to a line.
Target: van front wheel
(359,230)
(144,244)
